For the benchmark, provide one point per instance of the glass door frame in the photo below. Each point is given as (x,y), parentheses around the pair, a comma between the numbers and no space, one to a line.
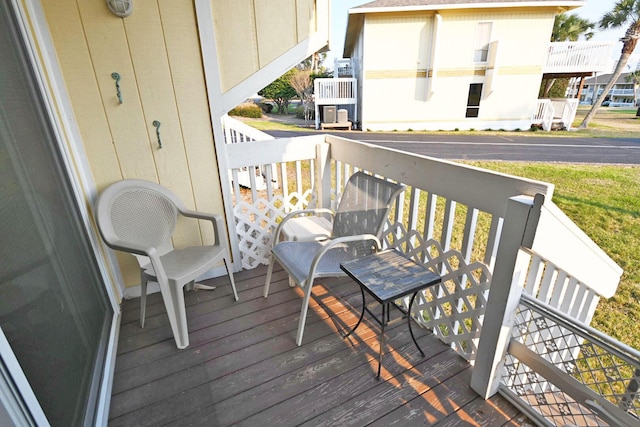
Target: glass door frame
(17,400)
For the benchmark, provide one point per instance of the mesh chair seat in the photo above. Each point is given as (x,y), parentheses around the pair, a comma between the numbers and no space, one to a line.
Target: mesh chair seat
(296,259)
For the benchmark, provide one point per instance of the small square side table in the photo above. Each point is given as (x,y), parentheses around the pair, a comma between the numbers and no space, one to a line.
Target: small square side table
(388,276)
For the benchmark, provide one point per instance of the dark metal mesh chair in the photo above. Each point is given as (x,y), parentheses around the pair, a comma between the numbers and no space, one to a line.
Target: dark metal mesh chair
(358,224)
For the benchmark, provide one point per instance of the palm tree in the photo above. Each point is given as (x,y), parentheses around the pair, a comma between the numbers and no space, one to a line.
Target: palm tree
(635,78)
(625,12)
(568,28)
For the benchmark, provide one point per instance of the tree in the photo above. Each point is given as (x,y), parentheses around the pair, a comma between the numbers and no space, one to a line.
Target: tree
(635,78)
(280,91)
(303,85)
(625,12)
(314,63)
(567,28)
(570,28)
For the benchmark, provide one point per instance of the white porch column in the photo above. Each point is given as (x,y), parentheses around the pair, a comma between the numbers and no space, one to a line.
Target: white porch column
(520,223)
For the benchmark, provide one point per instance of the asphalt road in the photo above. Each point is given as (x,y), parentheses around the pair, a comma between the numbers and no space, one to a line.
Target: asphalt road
(509,148)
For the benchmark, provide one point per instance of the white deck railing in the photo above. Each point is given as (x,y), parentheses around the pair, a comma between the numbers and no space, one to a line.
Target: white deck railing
(254,177)
(484,232)
(556,110)
(543,114)
(565,57)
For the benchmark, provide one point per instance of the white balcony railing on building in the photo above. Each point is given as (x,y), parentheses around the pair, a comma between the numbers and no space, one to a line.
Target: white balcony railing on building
(484,232)
(621,92)
(570,57)
(335,91)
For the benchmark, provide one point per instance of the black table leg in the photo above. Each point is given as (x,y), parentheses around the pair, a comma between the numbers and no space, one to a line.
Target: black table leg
(409,322)
(382,338)
(361,315)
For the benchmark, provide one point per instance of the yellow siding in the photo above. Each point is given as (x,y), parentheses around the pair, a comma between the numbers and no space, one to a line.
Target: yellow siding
(276,23)
(157,53)
(404,39)
(149,56)
(235,30)
(252,33)
(73,54)
(183,49)
(306,18)
(109,53)
(396,52)
(459,31)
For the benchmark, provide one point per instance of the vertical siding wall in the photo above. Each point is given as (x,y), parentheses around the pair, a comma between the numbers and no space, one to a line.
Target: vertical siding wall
(156,51)
(396,57)
(252,33)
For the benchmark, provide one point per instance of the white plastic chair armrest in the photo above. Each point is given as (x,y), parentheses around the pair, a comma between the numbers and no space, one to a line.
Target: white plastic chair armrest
(117,244)
(216,220)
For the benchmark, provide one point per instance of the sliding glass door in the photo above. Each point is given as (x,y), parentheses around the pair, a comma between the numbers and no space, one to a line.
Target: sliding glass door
(54,310)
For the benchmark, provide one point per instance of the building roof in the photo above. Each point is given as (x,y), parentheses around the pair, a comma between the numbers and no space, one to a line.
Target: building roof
(356,14)
(406,5)
(603,79)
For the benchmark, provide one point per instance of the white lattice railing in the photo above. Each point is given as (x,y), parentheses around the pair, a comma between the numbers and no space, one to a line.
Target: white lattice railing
(290,162)
(491,236)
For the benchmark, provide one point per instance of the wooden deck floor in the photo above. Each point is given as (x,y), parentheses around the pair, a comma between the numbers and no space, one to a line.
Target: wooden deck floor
(243,368)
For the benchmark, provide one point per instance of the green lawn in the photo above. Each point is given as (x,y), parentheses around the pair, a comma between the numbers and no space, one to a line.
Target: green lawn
(604,201)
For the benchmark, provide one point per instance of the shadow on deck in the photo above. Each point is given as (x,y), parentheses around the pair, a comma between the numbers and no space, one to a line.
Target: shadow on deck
(243,368)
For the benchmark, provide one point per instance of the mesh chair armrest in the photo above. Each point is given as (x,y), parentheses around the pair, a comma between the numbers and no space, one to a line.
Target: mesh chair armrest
(338,241)
(300,212)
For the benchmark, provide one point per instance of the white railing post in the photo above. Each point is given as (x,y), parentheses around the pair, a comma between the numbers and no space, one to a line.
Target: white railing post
(323,176)
(520,223)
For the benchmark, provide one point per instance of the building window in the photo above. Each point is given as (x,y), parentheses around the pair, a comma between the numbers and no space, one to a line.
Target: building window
(483,36)
(473,102)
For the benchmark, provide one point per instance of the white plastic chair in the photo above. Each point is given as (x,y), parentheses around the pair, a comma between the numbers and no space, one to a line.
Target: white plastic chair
(358,225)
(139,217)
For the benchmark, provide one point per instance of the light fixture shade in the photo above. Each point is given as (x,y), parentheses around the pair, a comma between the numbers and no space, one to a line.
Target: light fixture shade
(121,8)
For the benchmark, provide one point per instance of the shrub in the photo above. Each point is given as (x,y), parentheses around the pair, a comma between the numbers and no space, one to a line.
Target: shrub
(266,107)
(247,110)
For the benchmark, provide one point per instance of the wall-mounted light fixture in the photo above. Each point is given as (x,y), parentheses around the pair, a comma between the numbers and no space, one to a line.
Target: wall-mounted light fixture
(121,8)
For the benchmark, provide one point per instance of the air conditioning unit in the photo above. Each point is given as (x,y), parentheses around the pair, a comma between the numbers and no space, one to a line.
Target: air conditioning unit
(329,114)
(343,116)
